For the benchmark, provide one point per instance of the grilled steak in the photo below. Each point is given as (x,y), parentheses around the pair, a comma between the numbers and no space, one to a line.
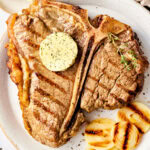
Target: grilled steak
(50,100)
(109,83)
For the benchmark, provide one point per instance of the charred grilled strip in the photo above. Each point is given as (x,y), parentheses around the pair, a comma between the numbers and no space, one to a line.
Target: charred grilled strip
(127,131)
(32,44)
(38,104)
(93,78)
(96,132)
(122,115)
(136,110)
(89,89)
(107,75)
(41,77)
(64,76)
(103,86)
(44,93)
(118,99)
(113,95)
(32,31)
(116,131)
(125,89)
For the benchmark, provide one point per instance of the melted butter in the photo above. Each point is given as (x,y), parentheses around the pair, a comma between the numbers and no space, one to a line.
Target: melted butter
(58,51)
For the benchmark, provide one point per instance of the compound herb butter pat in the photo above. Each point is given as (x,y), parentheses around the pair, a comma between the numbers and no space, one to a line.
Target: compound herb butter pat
(58,51)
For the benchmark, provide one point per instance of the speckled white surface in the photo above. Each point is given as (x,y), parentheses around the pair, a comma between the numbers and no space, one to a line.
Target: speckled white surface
(10,114)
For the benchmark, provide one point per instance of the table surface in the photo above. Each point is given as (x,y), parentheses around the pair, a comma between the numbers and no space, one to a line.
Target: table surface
(4,142)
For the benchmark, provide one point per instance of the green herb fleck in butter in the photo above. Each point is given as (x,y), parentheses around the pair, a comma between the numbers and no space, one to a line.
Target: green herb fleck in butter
(58,51)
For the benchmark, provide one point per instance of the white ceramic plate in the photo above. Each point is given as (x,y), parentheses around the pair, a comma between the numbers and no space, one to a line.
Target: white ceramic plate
(126,11)
(13,6)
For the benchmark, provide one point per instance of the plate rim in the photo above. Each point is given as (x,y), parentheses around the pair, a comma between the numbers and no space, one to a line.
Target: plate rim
(5,35)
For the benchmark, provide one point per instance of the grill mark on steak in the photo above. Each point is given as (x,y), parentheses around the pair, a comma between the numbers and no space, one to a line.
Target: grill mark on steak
(97,85)
(19,32)
(42,78)
(103,86)
(109,93)
(40,105)
(43,93)
(122,87)
(121,101)
(126,90)
(27,28)
(107,75)
(63,76)
(89,89)
(136,110)
(127,131)
(32,44)
(38,16)
(35,59)
(93,78)
(38,118)
(118,99)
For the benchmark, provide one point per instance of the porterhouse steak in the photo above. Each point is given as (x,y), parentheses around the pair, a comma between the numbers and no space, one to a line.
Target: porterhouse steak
(50,101)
